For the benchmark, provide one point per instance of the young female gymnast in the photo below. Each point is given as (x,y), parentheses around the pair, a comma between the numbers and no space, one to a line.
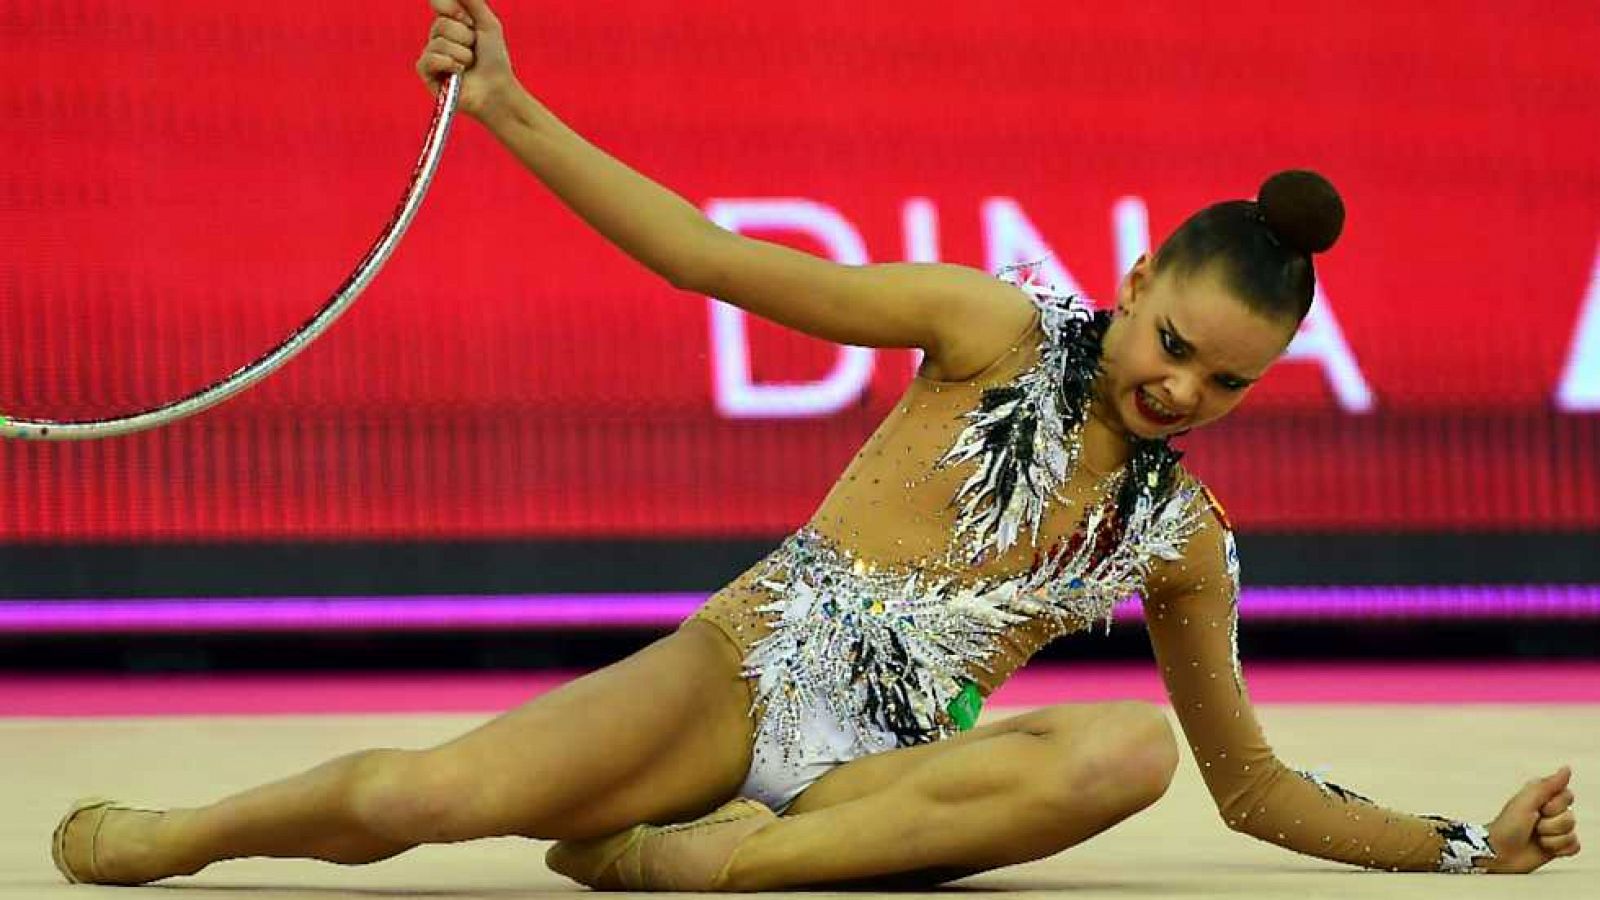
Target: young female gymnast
(817,713)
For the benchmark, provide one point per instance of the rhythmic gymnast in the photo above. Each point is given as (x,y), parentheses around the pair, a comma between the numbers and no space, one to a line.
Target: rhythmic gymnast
(813,723)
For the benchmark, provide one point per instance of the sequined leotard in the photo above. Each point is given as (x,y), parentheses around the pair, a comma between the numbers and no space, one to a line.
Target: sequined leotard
(963,537)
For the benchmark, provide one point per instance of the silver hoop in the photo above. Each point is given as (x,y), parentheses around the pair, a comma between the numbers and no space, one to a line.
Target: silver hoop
(367,269)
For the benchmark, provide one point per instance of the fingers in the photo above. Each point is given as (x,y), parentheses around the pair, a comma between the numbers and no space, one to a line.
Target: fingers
(436,67)
(449,47)
(1554,782)
(454,48)
(451,51)
(480,12)
(1558,834)
(451,9)
(1555,825)
(1561,778)
(1560,845)
(451,30)
(1557,804)
(1539,792)
(441,58)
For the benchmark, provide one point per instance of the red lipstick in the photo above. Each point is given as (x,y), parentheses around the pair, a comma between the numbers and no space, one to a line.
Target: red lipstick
(1150,414)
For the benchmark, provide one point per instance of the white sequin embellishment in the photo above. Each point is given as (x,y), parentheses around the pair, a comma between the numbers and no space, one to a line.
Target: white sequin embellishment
(1025,438)
(888,647)
(891,645)
(1231,551)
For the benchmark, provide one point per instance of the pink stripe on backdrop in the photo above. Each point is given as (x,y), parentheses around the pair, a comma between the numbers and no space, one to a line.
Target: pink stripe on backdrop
(182,695)
(560,611)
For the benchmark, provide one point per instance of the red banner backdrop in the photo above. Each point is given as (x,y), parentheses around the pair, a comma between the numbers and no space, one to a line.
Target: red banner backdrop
(186,181)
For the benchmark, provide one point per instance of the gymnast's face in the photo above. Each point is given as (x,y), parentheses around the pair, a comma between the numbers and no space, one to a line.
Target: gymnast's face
(1182,352)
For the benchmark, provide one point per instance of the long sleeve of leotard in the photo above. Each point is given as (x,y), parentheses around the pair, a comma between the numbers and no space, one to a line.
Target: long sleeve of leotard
(1191,608)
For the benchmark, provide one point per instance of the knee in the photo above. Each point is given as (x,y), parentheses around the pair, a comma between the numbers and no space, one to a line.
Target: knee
(414,796)
(1141,753)
(1126,757)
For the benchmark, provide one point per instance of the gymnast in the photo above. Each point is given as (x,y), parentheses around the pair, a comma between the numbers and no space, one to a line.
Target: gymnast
(814,723)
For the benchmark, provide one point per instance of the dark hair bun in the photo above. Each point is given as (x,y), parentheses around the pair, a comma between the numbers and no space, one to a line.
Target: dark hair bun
(1302,209)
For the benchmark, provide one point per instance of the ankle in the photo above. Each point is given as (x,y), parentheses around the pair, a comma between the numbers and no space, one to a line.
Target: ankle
(175,845)
(747,865)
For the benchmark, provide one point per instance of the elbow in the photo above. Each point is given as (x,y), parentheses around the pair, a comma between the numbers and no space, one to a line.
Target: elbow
(1229,814)
(1235,822)
(1243,806)
(694,268)
(1236,811)
(1242,822)
(686,278)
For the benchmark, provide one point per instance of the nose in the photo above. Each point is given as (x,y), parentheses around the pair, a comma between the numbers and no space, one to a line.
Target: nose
(1184,393)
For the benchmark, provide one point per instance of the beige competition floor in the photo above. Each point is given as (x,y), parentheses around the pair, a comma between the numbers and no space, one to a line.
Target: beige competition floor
(1462,761)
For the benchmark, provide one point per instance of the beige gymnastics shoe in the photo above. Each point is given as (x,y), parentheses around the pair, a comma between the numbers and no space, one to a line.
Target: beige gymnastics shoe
(687,857)
(87,871)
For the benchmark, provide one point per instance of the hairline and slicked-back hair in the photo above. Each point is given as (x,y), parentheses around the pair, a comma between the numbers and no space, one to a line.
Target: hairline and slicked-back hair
(1261,249)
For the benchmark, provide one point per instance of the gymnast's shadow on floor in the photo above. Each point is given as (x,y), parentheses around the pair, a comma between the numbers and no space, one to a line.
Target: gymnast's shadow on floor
(314,892)
(925,883)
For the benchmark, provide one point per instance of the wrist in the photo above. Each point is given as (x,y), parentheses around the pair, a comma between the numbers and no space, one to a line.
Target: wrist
(1492,862)
(508,105)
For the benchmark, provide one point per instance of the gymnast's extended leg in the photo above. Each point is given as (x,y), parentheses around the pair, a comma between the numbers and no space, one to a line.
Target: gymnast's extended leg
(1017,790)
(663,735)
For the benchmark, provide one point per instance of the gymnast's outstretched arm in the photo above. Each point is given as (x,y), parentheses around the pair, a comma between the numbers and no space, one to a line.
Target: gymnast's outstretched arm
(960,316)
(1191,610)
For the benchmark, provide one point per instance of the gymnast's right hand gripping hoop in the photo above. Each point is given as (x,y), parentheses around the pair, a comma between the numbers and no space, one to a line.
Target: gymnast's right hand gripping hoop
(365,271)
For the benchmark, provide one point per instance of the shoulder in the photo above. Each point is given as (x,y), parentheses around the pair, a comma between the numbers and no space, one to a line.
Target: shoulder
(1210,555)
(985,320)
(995,313)
(1206,503)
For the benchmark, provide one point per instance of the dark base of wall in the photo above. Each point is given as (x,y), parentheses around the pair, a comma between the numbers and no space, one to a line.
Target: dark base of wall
(538,567)
(479,651)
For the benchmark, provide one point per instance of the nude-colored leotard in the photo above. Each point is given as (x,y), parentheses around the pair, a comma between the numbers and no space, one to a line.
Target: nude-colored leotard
(879,571)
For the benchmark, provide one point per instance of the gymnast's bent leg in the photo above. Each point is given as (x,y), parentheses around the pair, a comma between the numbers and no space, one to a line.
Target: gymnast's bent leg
(1017,790)
(662,736)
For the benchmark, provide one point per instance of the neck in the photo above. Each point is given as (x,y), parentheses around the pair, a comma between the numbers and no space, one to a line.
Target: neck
(1106,444)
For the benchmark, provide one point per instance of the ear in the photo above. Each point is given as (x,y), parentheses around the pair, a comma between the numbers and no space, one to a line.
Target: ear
(1135,284)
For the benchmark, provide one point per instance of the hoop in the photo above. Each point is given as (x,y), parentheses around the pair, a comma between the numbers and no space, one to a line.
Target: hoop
(365,270)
